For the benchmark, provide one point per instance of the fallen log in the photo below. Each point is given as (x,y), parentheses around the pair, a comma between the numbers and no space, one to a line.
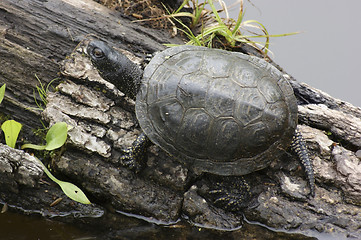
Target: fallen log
(36,37)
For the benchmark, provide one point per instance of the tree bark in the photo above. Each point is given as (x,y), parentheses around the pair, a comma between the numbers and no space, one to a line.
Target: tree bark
(36,36)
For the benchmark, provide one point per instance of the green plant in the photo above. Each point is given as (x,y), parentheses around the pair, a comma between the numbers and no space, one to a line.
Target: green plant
(71,190)
(229,30)
(198,12)
(2,92)
(42,92)
(11,129)
(55,138)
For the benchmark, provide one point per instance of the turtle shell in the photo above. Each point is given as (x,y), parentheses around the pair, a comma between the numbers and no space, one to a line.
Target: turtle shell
(220,112)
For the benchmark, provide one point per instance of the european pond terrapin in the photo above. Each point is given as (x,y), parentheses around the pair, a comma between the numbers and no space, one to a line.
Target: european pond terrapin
(216,111)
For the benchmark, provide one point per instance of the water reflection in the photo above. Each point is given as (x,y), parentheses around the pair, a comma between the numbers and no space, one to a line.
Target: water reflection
(20,227)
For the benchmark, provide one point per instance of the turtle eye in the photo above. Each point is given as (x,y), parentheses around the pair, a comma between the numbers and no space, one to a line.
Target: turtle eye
(98,53)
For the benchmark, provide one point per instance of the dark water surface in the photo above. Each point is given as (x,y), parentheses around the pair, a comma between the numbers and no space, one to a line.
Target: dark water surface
(325,55)
(14,226)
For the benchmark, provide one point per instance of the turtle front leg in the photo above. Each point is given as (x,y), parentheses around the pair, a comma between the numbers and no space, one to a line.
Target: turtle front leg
(135,156)
(299,147)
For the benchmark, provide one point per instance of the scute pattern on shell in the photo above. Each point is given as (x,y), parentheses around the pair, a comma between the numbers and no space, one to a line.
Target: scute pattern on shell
(221,112)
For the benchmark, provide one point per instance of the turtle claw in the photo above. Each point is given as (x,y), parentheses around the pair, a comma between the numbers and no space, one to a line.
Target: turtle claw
(129,161)
(229,193)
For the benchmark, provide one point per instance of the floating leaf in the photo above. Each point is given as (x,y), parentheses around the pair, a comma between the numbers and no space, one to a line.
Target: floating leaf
(55,138)
(2,92)
(71,190)
(11,129)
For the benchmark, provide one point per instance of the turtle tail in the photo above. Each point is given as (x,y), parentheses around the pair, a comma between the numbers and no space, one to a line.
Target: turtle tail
(299,147)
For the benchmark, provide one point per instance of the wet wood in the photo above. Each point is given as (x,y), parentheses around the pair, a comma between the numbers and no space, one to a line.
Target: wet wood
(36,35)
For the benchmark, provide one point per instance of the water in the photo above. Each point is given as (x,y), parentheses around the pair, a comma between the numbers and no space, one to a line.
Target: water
(326,53)
(14,226)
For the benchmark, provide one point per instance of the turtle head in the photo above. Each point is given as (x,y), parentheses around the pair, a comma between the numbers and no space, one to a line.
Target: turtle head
(115,67)
(103,57)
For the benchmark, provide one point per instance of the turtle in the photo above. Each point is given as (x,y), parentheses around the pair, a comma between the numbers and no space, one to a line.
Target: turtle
(216,111)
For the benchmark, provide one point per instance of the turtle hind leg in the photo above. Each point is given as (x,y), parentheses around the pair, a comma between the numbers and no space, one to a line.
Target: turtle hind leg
(135,156)
(299,147)
(231,193)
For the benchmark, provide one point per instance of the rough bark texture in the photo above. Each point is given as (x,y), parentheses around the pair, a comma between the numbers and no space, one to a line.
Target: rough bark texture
(37,35)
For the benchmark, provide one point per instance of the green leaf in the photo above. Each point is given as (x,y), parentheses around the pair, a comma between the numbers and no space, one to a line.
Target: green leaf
(56,136)
(215,12)
(181,6)
(2,92)
(239,20)
(11,129)
(71,190)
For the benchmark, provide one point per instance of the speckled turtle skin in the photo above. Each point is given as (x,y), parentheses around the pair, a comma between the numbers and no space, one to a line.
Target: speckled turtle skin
(216,111)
